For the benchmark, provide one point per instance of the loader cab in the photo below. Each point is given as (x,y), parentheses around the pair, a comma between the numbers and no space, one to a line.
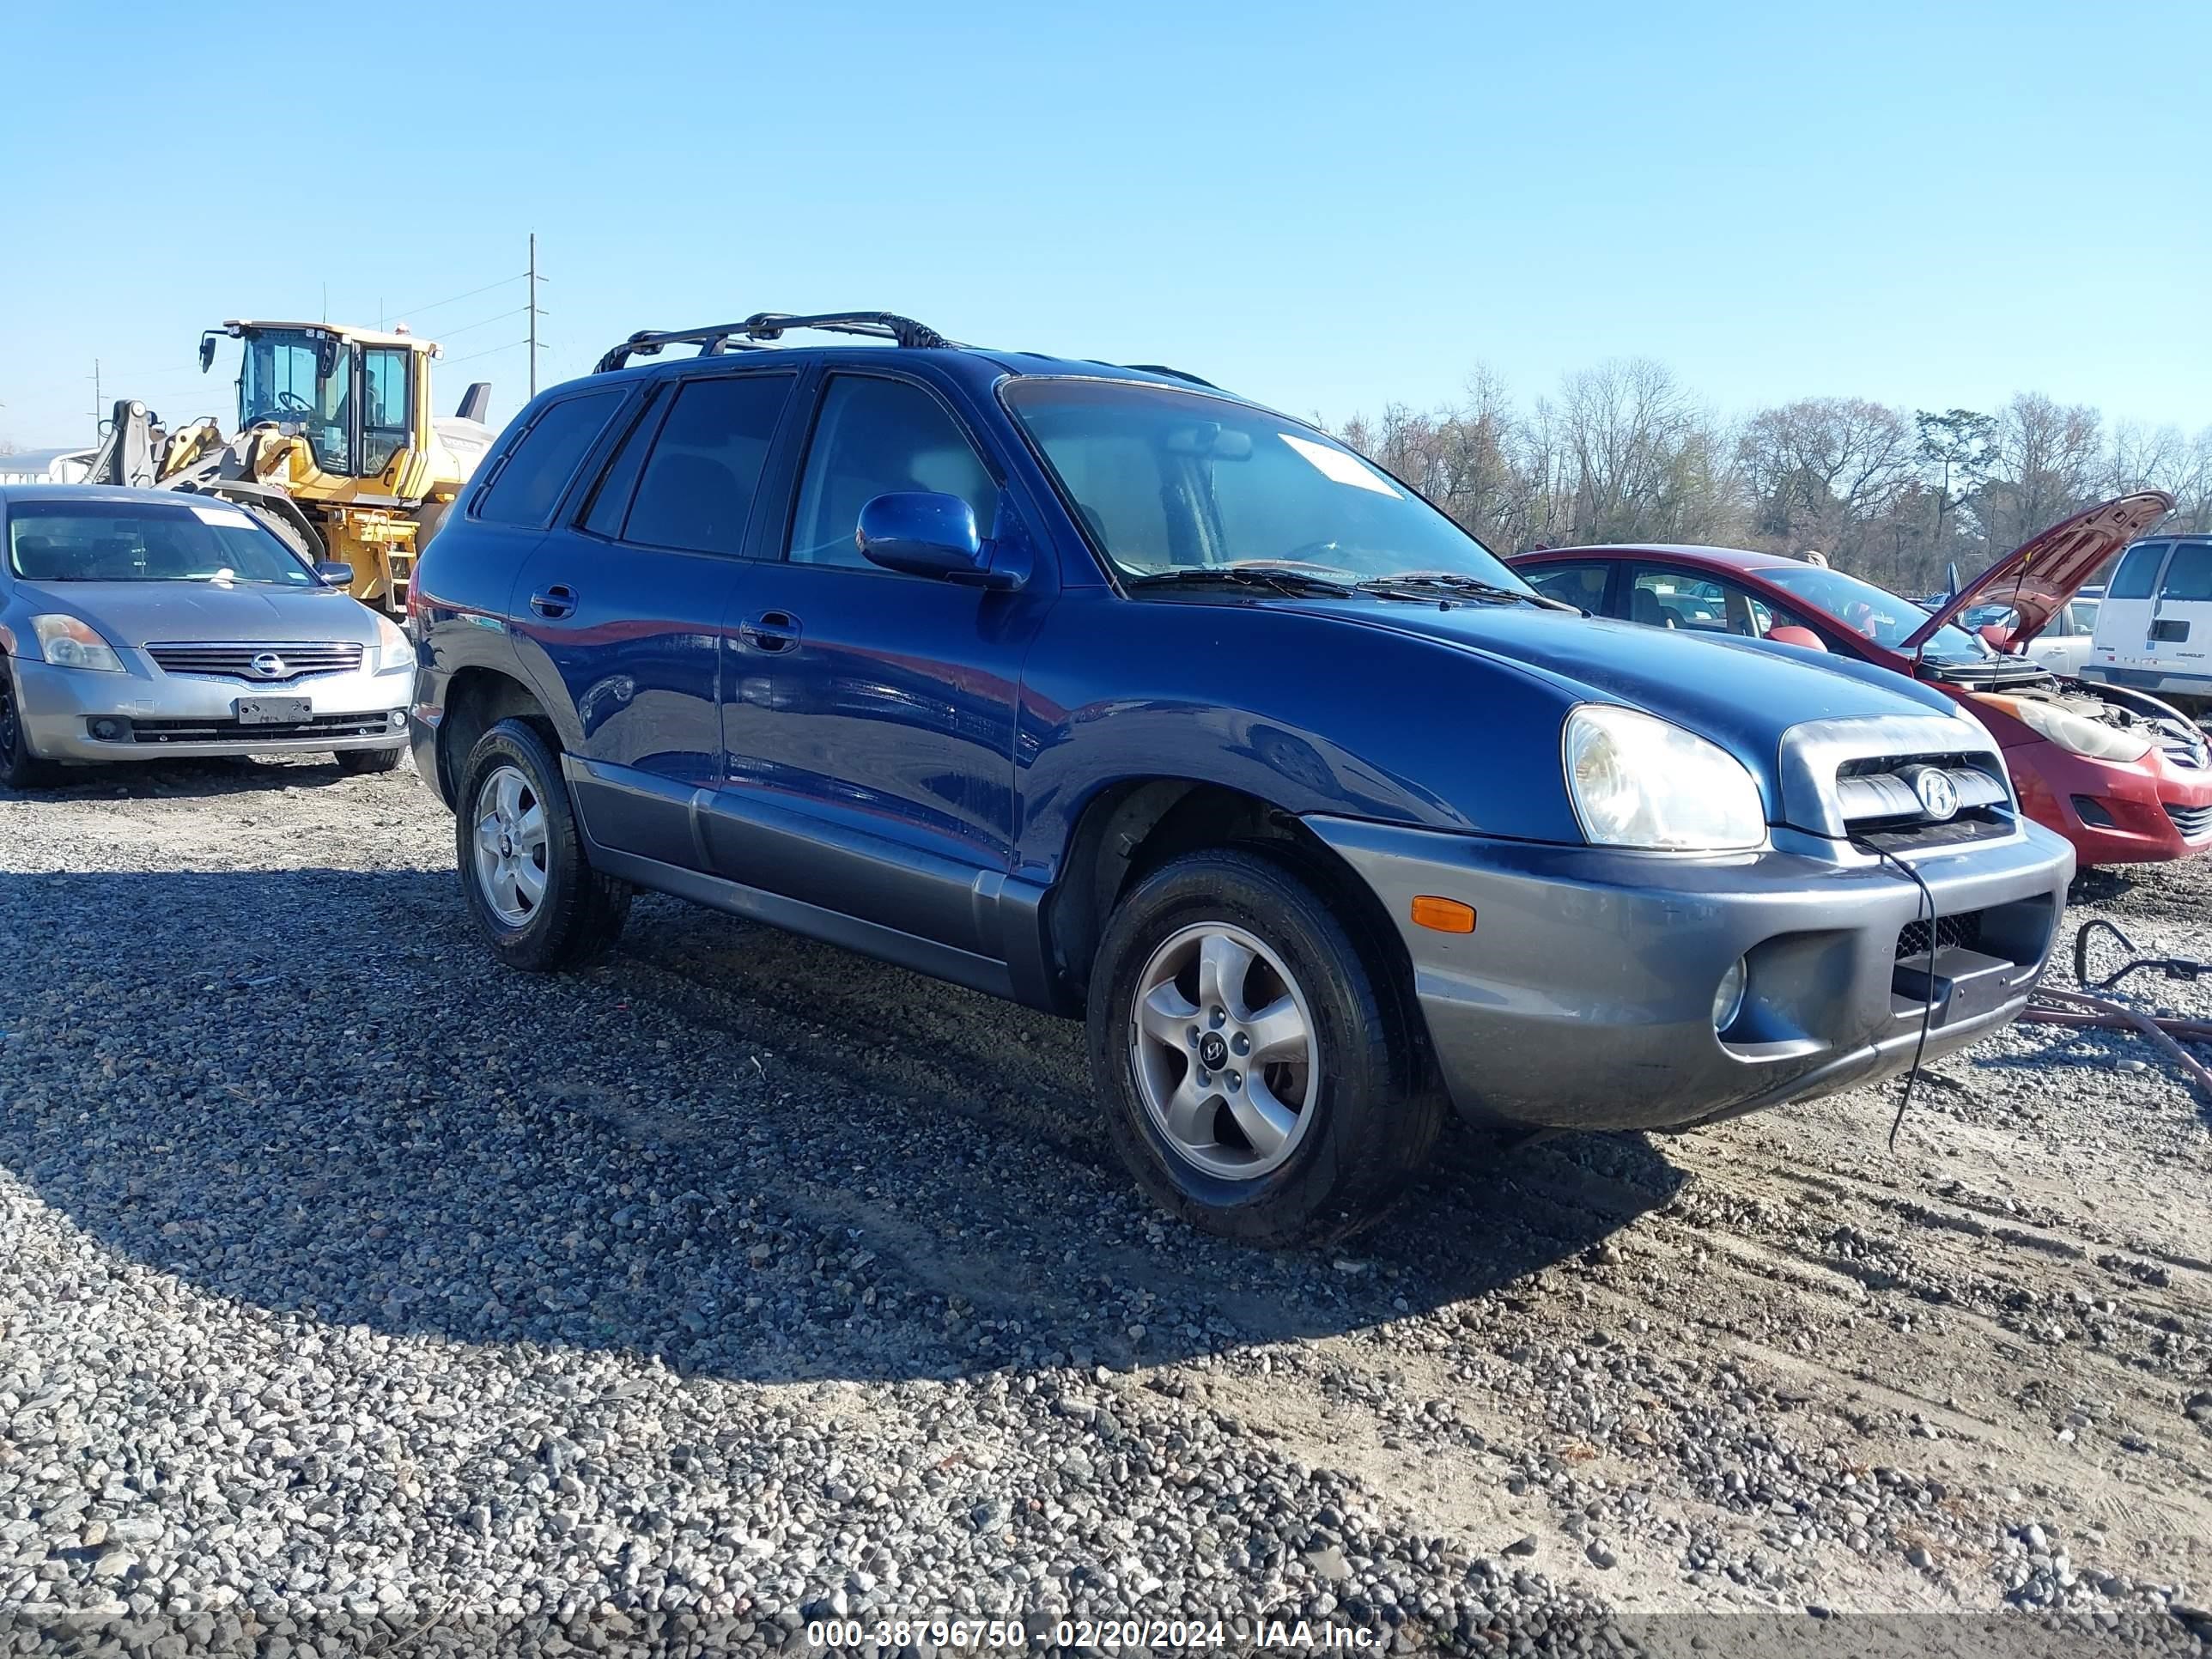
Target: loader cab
(357,399)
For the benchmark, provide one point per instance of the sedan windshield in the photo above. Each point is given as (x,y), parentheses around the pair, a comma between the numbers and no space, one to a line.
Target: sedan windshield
(1172,483)
(83,540)
(1874,612)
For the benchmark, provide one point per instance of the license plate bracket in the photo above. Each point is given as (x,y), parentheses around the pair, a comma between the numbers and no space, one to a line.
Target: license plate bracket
(273,711)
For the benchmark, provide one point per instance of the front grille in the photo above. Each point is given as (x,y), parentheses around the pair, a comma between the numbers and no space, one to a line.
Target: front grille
(296,659)
(1964,929)
(324,726)
(2182,751)
(2191,821)
(1877,799)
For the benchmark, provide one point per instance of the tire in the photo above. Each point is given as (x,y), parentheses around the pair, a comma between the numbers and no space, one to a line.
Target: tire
(511,788)
(19,769)
(354,763)
(1364,1115)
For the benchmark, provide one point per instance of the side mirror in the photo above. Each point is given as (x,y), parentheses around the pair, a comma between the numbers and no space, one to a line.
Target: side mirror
(207,351)
(1997,635)
(1803,638)
(923,534)
(335,575)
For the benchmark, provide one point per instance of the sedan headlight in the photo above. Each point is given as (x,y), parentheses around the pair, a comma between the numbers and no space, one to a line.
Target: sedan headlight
(2072,733)
(67,643)
(394,650)
(1637,781)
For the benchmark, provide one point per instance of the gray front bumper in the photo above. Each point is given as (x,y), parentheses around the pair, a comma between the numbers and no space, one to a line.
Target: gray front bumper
(1583,997)
(352,711)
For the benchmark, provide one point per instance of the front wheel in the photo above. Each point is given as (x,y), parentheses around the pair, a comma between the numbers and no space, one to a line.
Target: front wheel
(1260,1077)
(523,866)
(19,767)
(354,762)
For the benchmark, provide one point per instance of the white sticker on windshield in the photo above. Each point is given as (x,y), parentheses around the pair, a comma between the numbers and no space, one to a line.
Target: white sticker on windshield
(229,518)
(1343,467)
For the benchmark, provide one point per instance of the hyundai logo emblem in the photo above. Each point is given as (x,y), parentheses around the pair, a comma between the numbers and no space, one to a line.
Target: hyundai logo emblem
(269,666)
(1939,796)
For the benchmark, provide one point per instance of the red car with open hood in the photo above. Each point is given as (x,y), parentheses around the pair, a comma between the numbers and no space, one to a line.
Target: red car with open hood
(2124,777)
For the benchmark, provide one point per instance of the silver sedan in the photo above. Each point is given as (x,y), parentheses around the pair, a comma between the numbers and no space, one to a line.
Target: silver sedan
(142,624)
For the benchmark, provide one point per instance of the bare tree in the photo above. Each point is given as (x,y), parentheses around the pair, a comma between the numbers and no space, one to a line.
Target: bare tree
(1827,472)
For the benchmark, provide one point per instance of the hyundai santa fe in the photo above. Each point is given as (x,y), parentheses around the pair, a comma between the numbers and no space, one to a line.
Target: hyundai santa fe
(1103,689)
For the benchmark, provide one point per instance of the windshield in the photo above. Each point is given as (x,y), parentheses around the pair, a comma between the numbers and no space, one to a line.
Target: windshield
(75,541)
(1171,481)
(280,379)
(1874,612)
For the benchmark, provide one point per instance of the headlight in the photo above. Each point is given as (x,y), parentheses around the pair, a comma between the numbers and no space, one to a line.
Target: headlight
(2071,732)
(1639,781)
(68,643)
(394,650)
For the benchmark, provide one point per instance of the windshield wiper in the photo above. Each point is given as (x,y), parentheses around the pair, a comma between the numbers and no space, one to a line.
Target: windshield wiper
(1282,579)
(1428,584)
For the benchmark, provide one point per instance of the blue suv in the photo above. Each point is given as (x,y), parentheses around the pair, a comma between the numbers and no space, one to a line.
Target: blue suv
(1103,689)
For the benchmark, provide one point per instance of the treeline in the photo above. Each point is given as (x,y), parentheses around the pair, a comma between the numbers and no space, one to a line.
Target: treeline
(1625,452)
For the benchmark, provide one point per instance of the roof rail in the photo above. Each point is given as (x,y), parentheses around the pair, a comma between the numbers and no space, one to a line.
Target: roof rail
(1175,373)
(765,327)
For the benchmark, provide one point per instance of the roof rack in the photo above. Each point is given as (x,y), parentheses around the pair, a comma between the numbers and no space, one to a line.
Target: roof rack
(765,327)
(1175,373)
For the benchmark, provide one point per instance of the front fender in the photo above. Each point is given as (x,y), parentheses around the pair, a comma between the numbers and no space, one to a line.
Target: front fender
(1311,714)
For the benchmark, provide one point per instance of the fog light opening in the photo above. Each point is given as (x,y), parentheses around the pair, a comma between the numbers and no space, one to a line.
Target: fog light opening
(1728,996)
(107,729)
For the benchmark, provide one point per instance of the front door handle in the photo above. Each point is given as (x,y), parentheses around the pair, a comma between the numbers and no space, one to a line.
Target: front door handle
(772,631)
(555,602)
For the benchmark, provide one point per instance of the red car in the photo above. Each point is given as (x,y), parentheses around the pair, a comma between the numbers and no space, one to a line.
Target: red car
(2121,775)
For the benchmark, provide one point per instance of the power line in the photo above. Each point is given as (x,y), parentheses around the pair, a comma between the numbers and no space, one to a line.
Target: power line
(438,305)
(448,333)
(489,350)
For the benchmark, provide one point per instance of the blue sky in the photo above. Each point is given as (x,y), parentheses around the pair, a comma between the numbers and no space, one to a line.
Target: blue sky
(1325,207)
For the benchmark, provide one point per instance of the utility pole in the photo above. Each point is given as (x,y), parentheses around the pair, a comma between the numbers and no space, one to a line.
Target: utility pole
(96,415)
(533,313)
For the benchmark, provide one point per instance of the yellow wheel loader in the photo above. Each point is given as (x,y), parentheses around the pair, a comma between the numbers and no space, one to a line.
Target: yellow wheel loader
(336,446)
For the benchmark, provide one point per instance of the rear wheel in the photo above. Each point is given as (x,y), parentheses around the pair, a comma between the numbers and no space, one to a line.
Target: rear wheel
(355,762)
(19,767)
(528,880)
(1260,1078)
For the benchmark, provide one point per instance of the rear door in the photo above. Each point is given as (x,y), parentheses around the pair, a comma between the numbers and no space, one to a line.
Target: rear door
(2181,614)
(620,611)
(2124,621)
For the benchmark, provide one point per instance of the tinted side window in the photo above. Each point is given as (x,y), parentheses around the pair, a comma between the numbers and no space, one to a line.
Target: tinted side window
(536,469)
(880,438)
(2138,571)
(1579,585)
(2189,573)
(697,490)
(610,503)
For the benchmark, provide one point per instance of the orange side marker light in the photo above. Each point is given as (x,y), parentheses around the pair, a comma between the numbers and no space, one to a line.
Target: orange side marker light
(1444,915)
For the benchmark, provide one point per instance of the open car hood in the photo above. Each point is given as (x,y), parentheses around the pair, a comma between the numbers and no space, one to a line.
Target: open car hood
(2039,575)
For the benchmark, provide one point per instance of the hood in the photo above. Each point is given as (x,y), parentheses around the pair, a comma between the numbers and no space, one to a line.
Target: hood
(133,613)
(1742,694)
(2039,575)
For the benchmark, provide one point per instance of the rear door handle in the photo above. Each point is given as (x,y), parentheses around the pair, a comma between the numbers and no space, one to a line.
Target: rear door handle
(555,602)
(772,631)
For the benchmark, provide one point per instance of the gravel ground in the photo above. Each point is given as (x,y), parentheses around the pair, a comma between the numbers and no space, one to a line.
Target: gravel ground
(360,1295)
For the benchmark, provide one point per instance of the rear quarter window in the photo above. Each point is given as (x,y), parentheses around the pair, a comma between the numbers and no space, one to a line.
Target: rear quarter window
(528,479)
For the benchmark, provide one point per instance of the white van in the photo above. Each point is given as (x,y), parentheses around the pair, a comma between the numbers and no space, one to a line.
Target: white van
(2154,627)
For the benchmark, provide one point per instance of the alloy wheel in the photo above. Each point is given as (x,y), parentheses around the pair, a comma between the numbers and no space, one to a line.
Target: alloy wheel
(511,845)
(1225,1055)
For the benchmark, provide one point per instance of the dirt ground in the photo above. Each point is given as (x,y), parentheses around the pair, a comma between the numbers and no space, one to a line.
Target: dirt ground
(1768,1367)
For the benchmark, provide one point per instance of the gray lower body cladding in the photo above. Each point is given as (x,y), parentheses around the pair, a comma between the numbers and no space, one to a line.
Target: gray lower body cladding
(1584,997)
